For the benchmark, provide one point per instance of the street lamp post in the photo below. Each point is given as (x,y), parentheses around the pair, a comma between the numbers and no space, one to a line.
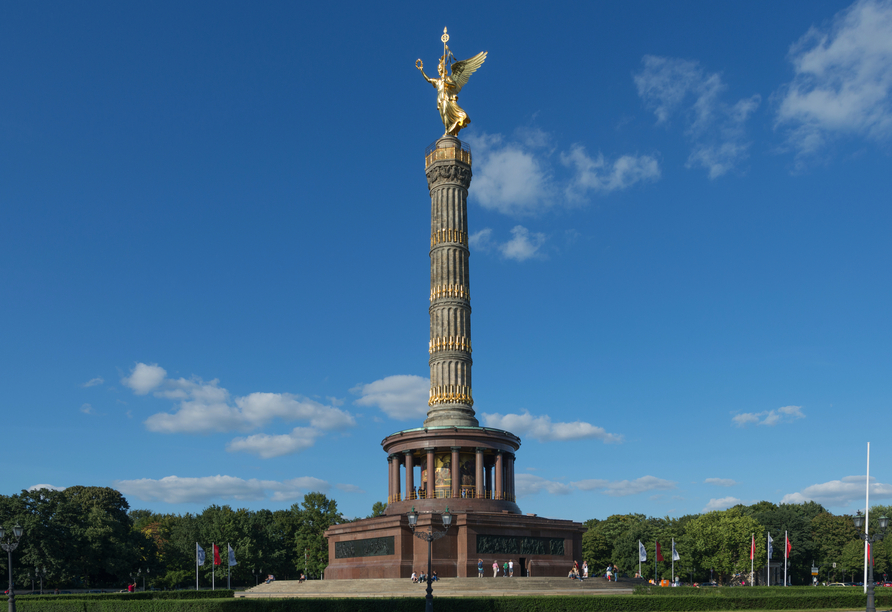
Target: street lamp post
(10,545)
(40,573)
(144,576)
(429,536)
(870,539)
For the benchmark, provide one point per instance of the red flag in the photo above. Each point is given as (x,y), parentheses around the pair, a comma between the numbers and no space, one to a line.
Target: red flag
(216,555)
(753,548)
(869,554)
(789,548)
(659,553)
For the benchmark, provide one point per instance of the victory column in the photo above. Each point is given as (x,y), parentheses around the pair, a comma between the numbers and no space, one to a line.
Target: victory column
(460,466)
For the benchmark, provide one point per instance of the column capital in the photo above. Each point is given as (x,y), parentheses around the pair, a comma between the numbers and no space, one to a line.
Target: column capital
(430,451)
(408,452)
(455,448)
(480,449)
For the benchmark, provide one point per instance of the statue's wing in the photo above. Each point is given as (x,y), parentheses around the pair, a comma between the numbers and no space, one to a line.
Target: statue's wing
(462,71)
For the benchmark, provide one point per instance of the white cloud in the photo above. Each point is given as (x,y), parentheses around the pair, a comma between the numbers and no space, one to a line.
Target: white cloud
(621,488)
(721,504)
(204,407)
(721,482)
(93,382)
(401,397)
(509,177)
(542,429)
(716,130)
(517,178)
(599,175)
(785,414)
(177,490)
(529,484)
(144,377)
(349,488)
(523,245)
(87,409)
(37,487)
(840,492)
(481,240)
(268,446)
(842,83)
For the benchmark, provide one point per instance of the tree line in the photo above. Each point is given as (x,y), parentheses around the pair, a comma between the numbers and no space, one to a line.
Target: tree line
(88,537)
(721,541)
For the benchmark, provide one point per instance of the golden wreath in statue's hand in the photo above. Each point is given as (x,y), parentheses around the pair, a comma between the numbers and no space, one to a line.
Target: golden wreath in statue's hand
(419,65)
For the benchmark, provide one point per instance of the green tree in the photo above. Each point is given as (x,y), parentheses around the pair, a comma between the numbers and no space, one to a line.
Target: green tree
(378,509)
(830,535)
(721,541)
(796,521)
(315,514)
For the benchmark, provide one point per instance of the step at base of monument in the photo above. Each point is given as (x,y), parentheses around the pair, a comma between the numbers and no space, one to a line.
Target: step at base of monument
(455,587)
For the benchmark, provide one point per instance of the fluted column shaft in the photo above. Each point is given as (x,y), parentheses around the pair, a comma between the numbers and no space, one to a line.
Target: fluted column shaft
(449,176)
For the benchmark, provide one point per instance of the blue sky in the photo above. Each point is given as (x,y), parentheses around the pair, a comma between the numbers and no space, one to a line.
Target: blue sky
(214,248)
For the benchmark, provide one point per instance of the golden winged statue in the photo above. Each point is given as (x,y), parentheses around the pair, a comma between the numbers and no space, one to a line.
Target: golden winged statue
(448,86)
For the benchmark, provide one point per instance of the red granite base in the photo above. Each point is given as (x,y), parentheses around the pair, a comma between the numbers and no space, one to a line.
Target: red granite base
(455,554)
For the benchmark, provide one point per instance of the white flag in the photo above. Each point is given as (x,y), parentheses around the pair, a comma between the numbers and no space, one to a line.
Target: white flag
(231,555)
(642,553)
(200,554)
(770,547)
(675,556)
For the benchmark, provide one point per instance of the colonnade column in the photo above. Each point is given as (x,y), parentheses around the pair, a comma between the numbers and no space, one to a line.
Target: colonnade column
(456,472)
(431,481)
(410,474)
(510,474)
(396,478)
(478,474)
(497,490)
(389,478)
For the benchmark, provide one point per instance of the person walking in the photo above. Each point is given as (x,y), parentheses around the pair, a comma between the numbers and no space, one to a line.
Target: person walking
(585,569)
(505,569)
(495,569)
(511,567)
(480,568)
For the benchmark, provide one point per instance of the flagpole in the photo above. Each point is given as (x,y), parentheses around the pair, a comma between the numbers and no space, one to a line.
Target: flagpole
(753,559)
(768,554)
(228,565)
(672,577)
(786,549)
(639,560)
(213,566)
(196,566)
(655,564)
(866,517)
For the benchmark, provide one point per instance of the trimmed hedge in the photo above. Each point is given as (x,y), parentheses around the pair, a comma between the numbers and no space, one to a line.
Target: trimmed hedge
(579,603)
(759,591)
(142,595)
